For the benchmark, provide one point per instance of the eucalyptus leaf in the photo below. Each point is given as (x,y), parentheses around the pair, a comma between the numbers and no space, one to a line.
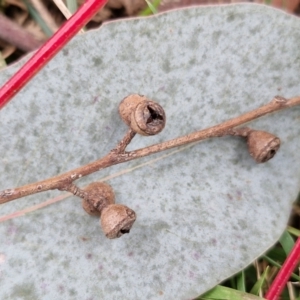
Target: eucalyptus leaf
(204,211)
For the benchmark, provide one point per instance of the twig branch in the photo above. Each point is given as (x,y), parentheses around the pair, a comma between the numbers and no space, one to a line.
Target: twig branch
(125,142)
(118,155)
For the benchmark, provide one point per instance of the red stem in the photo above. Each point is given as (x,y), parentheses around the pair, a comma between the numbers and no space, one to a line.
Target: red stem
(284,273)
(49,49)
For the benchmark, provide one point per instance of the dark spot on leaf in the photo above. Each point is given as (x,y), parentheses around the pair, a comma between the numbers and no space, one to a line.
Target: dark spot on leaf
(166,66)
(89,256)
(216,36)
(230,18)
(97,61)
(65,52)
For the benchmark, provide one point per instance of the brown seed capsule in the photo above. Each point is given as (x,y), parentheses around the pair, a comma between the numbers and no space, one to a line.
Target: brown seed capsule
(128,105)
(100,194)
(144,116)
(262,145)
(116,220)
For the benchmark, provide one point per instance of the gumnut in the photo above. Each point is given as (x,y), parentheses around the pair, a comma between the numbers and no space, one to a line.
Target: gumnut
(99,195)
(116,220)
(262,145)
(142,115)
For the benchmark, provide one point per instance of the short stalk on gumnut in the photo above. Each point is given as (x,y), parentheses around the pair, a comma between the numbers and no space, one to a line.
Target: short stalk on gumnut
(262,145)
(99,200)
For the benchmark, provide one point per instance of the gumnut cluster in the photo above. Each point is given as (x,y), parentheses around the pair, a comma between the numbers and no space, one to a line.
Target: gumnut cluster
(115,219)
(145,117)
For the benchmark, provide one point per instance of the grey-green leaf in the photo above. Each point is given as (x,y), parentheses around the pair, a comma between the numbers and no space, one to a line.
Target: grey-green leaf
(205,211)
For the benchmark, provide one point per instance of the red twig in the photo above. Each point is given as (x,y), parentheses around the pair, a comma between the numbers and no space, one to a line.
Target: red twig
(284,273)
(49,49)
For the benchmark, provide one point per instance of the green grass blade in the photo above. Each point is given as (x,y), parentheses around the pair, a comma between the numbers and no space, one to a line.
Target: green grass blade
(277,254)
(287,242)
(225,293)
(151,9)
(232,282)
(293,231)
(240,281)
(35,15)
(259,283)
(72,5)
(274,263)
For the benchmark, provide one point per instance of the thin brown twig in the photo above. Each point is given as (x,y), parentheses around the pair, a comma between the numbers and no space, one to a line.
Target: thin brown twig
(64,10)
(124,142)
(118,155)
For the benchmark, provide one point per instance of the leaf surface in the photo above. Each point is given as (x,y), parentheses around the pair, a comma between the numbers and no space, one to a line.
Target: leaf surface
(205,211)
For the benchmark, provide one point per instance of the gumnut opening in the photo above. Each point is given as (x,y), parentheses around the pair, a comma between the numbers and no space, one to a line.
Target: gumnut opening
(262,145)
(116,220)
(144,116)
(99,195)
(148,118)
